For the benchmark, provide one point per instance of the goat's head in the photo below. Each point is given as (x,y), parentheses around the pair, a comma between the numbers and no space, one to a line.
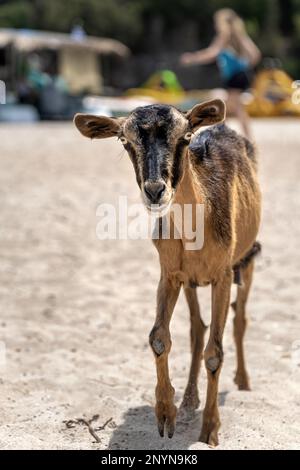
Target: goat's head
(156,138)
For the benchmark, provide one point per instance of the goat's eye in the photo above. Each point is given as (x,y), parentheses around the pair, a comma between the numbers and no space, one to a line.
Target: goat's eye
(123,140)
(188,136)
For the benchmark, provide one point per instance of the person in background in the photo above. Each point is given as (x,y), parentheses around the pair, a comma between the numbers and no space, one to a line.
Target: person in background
(236,56)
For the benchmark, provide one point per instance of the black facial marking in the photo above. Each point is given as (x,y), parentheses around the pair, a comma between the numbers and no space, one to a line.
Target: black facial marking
(144,114)
(153,121)
(159,148)
(153,125)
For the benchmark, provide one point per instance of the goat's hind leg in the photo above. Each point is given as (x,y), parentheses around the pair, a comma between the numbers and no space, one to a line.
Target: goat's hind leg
(213,356)
(191,397)
(240,324)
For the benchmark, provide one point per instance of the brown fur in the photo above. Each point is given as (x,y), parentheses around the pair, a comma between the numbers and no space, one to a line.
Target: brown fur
(217,169)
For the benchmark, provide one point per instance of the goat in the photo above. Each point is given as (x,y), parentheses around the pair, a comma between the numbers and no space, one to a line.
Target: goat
(217,168)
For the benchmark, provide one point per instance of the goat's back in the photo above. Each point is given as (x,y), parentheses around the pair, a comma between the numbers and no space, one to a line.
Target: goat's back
(225,163)
(220,148)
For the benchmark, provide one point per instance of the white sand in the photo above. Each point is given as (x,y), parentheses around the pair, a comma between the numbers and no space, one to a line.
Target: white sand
(76,312)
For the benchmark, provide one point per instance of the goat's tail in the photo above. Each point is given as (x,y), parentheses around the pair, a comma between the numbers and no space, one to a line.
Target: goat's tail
(244,262)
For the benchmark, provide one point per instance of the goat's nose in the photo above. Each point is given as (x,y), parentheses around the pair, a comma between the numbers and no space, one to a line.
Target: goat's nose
(154,190)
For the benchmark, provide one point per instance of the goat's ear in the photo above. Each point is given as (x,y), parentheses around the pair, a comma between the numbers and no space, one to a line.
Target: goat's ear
(206,114)
(98,127)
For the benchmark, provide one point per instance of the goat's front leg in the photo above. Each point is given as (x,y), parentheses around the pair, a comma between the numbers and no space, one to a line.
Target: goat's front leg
(213,356)
(191,398)
(160,342)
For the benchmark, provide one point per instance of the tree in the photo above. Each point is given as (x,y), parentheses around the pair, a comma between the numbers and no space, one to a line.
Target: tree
(286,22)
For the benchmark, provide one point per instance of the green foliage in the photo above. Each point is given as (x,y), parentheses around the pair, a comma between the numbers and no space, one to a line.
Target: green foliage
(247,9)
(16,14)
(297,26)
(115,18)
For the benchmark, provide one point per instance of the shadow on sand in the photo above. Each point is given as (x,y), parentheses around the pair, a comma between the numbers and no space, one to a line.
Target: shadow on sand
(138,431)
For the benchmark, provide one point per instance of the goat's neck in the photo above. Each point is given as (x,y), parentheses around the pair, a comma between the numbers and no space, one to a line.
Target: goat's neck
(190,190)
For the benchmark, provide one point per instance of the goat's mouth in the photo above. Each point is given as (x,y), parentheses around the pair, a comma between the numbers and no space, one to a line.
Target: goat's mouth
(160,208)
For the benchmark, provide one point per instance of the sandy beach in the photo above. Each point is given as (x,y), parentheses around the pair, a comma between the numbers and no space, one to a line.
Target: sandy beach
(76,311)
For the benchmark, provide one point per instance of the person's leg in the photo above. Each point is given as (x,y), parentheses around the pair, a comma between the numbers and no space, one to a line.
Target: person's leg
(236,106)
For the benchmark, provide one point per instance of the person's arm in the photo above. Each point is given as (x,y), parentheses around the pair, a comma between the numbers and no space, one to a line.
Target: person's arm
(251,50)
(204,56)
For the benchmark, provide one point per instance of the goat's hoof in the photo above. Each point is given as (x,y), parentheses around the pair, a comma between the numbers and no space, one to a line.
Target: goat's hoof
(209,434)
(189,405)
(242,381)
(186,414)
(166,418)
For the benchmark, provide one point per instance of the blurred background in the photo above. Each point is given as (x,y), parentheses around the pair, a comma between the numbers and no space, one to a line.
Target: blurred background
(76,311)
(131,48)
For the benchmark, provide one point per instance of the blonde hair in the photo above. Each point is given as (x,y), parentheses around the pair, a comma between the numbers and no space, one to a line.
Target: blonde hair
(232,28)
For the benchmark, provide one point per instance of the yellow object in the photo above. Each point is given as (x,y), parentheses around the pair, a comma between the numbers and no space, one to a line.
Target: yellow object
(273,95)
(161,96)
(163,86)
